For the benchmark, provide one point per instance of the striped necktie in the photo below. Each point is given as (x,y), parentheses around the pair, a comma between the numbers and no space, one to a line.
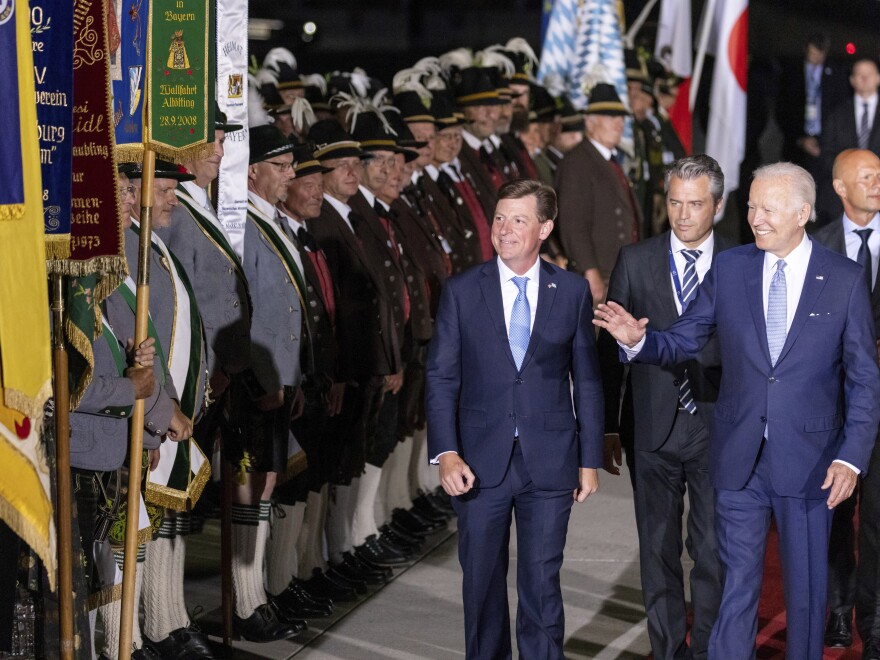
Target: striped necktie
(864,134)
(689,284)
(520,323)
(777,314)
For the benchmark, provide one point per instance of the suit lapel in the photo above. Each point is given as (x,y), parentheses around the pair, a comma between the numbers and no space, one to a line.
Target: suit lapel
(814,282)
(754,276)
(491,287)
(546,295)
(659,273)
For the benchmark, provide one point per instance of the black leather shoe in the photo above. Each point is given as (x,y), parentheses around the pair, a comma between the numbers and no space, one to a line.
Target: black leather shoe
(264,626)
(341,574)
(426,508)
(413,523)
(370,570)
(402,549)
(408,546)
(291,605)
(442,504)
(321,586)
(838,632)
(182,644)
(375,552)
(299,588)
(288,618)
(871,649)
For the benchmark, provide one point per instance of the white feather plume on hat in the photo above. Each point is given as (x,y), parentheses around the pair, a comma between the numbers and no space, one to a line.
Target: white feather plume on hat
(493,57)
(257,115)
(276,56)
(554,83)
(460,58)
(596,74)
(360,82)
(521,46)
(302,115)
(410,80)
(315,80)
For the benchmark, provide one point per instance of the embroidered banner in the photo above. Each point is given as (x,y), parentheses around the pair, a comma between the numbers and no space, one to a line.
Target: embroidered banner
(25,361)
(180,78)
(127,25)
(232,91)
(52,46)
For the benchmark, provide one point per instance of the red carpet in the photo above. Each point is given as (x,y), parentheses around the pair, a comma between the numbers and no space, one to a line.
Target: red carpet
(771,613)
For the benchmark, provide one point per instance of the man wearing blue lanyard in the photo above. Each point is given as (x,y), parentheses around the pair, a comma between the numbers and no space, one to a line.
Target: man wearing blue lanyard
(661,418)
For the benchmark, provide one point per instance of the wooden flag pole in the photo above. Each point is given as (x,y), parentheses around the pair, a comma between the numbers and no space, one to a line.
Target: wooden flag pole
(62,467)
(136,444)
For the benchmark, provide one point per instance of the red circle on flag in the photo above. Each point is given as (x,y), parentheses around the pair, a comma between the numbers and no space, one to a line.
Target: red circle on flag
(738,48)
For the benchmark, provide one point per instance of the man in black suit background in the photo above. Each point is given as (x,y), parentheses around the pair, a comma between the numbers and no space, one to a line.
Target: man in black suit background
(856,233)
(665,413)
(852,124)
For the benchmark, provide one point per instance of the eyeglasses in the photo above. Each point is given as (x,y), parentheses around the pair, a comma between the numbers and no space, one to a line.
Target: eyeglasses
(126,190)
(283,167)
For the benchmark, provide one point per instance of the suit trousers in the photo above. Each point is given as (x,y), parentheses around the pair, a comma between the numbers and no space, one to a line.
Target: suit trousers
(842,558)
(484,517)
(868,589)
(742,520)
(662,477)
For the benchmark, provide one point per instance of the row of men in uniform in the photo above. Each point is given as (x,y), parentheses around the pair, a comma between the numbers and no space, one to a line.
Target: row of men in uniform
(316,320)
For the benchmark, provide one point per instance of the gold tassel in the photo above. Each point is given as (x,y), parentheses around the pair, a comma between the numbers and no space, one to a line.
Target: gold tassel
(11,211)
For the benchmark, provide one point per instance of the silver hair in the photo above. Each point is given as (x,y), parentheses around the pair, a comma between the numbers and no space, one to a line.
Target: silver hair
(801,186)
(693,167)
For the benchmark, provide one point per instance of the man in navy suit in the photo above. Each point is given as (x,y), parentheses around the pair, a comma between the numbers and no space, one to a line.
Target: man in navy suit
(514,409)
(796,415)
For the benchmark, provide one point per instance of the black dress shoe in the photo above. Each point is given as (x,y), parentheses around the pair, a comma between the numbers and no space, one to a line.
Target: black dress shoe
(299,588)
(423,506)
(838,632)
(291,605)
(407,547)
(264,626)
(400,548)
(377,553)
(413,523)
(340,573)
(442,504)
(288,617)
(367,568)
(871,649)
(320,586)
(181,644)
(401,536)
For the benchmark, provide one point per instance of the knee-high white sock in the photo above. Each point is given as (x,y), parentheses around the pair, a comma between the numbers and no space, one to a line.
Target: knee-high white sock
(419,467)
(281,556)
(363,519)
(179,615)
(158,575)
(338,523)
(398,486)
(247,558)
(310,546)
(93,619)
(111,614)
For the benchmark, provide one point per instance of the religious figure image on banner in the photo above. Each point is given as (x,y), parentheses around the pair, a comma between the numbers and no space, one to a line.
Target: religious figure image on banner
(114,37)
(235,86)
(177,58)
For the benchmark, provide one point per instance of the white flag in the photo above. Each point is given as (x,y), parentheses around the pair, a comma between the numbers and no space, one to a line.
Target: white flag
(674,44)
(232,91)
(726,133)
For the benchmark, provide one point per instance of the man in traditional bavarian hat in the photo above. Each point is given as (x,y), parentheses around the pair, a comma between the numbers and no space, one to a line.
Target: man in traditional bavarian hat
(263,397)
(202,248)
(299,500)
(369,351)
(598,213)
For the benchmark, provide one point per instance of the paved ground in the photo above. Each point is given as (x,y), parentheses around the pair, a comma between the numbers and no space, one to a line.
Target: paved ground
(418,615)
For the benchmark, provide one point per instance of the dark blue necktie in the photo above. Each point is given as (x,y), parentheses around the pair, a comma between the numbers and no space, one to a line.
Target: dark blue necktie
(863,258)
(689,284)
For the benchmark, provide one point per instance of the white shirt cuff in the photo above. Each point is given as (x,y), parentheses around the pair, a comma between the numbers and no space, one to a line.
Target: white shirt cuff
(631,352)
(849,465)
(436,459)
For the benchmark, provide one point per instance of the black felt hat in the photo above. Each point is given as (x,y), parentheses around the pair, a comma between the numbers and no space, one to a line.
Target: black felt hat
(413,108)
(221,123)
(605,101)
(474,87)
(333,141)
(542,104)
(373,135)
(443,108)
(570,118)
(405,138)
(266,142)
(164,170)
(306,163)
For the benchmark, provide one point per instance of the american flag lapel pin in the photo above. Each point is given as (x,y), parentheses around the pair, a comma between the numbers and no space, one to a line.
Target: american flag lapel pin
(552,285)
(820,277)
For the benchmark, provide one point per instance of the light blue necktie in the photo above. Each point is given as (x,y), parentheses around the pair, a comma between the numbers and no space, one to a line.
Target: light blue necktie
(520,322)
(777,306)
(689,284)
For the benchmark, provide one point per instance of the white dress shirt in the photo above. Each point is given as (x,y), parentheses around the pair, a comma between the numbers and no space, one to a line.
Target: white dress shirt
(294,225)
(703,263)
(342,209)
(796,263)
(859,103)
(602,149)
(472,140)
(199,194)
(853,242)
(262,205)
